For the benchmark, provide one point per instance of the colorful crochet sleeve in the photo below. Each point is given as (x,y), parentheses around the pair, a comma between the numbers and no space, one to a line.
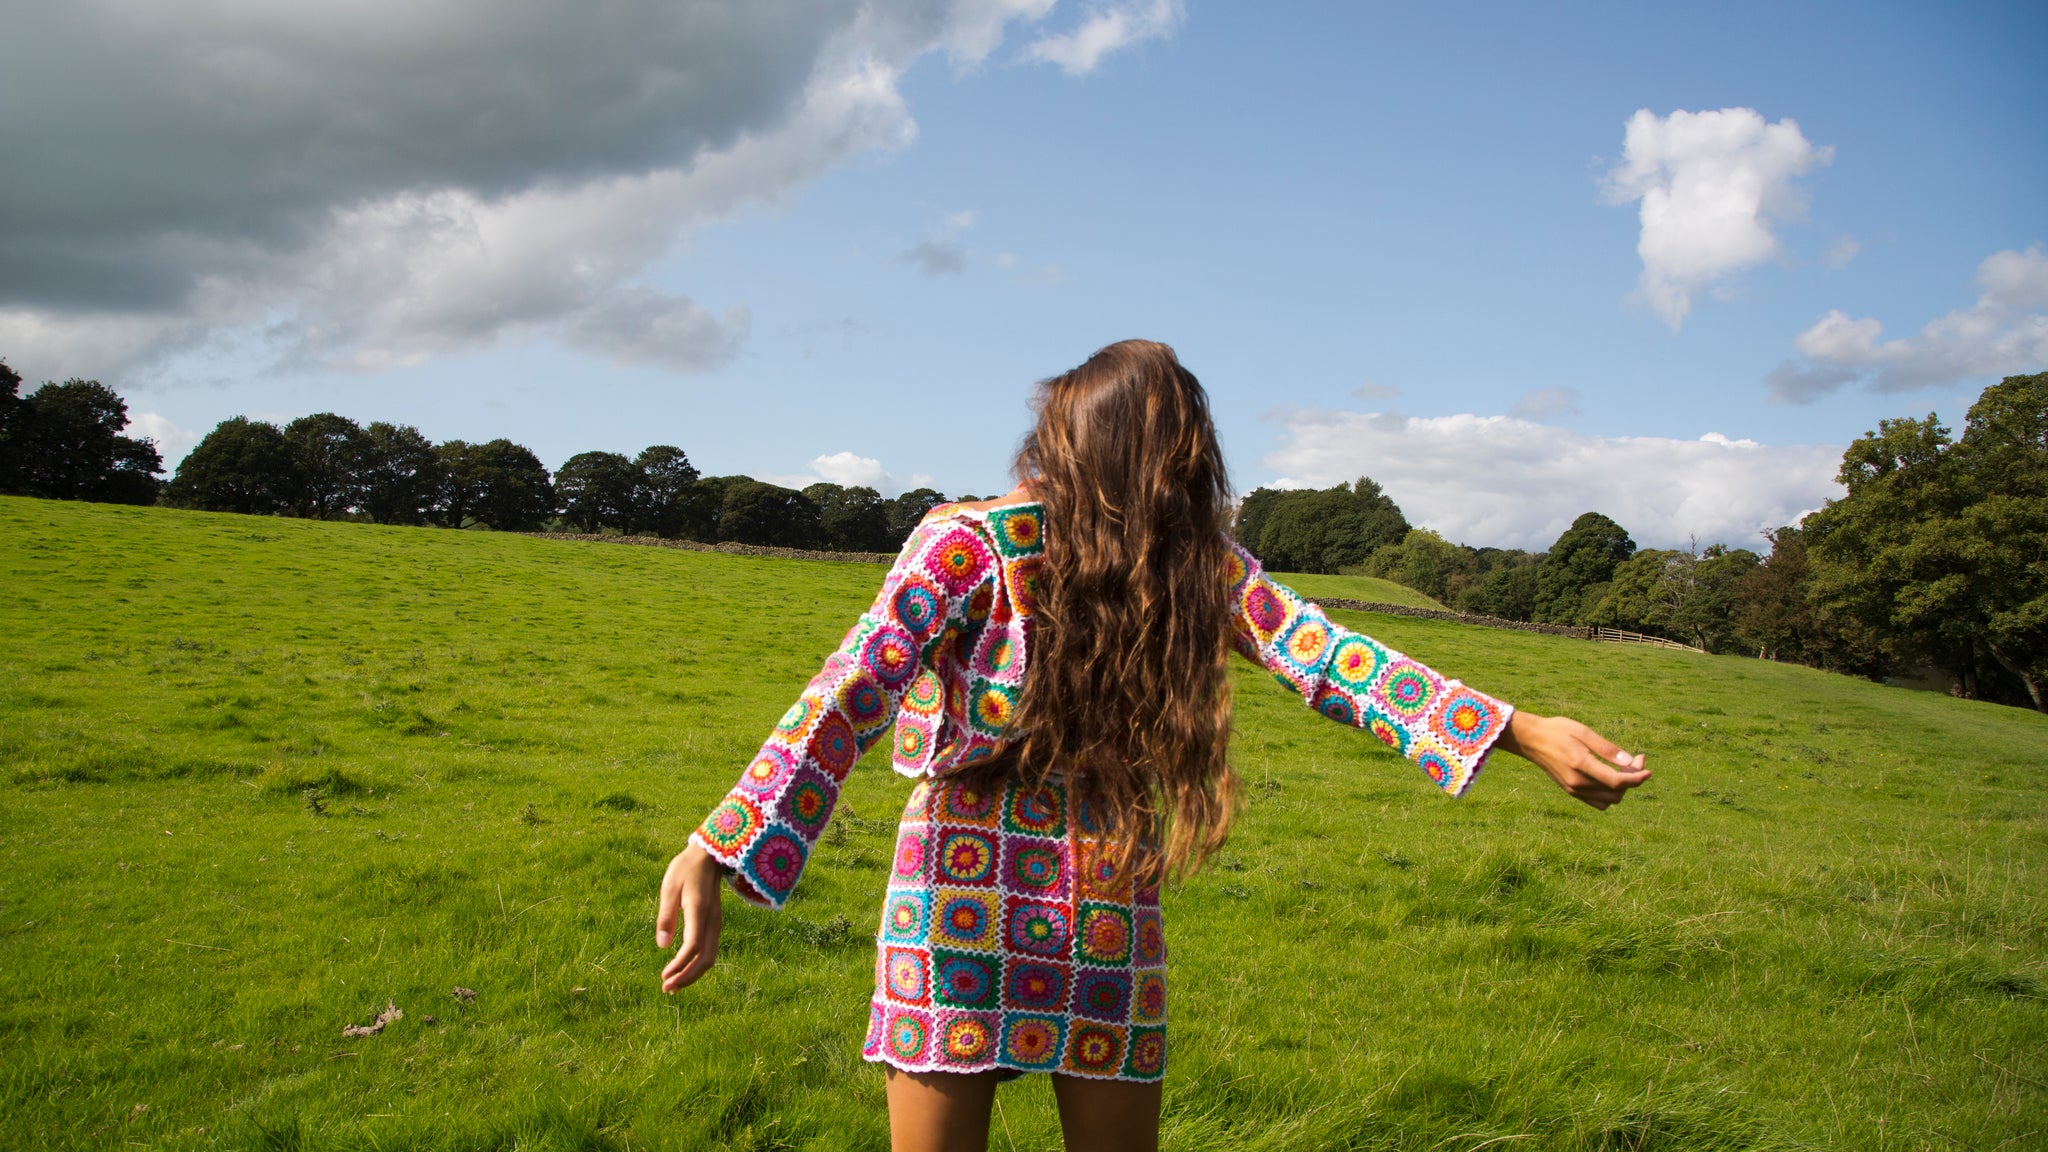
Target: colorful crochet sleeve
(764,829)
(1442,725)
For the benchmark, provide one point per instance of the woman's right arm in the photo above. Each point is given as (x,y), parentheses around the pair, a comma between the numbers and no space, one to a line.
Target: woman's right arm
(759,837)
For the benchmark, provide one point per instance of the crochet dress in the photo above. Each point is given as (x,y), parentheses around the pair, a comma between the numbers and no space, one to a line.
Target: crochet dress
(1004,943)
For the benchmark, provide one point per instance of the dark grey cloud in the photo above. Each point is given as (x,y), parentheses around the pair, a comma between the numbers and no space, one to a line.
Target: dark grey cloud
(378,182)
(150,142)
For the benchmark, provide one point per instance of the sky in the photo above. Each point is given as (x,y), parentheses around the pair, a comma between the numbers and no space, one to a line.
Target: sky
(1514,262)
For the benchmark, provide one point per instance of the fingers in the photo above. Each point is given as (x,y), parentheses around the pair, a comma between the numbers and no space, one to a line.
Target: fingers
(698,953)
(665,909)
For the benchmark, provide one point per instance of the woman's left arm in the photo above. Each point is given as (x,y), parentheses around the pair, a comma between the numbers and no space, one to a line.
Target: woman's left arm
(1446,727)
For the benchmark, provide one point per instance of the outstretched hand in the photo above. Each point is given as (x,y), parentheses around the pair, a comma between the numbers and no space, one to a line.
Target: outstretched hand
(1587,765)
(691,887)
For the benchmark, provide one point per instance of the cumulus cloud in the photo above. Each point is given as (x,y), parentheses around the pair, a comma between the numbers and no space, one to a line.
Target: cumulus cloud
(2004,332)
(1509,482)
(1711,185)
(1544,403)
(1109,28)
(372,184)
(850,469)
(853,470)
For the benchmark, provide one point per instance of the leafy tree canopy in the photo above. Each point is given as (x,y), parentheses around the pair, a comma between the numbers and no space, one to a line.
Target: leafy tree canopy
(398,474)
(64,441)
(907,510)
(1319,531)
(326,452)
(242,465)
(512,490)
(766,514)
(667,501)
(596,490)
(852,519)
(1583,558)
(1941,546)
(1424,561)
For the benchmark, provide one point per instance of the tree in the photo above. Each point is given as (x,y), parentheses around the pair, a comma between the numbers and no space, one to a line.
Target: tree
(2003,533)
(326,453)
(767,514)
(1321,531)
(596,490)
(1774,614)
(243,465)
(398,474)
(852,519)
(907,510)
(1582,559)
(1424,561)
(511,491)
(459,468)
(65,443)
(1684,595)
(667,501)
(1507,590)
(1941,547)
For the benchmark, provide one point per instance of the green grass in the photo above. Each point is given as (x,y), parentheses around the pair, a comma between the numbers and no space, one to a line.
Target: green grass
(1368,588)
(259,777)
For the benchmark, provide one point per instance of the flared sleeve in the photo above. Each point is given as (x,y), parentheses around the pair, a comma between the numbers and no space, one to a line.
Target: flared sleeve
(764,829)
(1445,727)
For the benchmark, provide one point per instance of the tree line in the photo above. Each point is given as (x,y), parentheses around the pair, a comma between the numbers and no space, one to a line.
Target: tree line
(326,466)
(66,441)
(1936,558)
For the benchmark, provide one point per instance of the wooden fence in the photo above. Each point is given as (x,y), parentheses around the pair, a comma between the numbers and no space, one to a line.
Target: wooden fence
(1617,636)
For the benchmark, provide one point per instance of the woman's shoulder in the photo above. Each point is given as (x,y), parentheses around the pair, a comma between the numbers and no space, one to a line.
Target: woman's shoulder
(1013,500)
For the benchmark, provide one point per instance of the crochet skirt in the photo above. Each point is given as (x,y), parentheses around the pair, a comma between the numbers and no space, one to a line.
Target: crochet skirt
(1008,943)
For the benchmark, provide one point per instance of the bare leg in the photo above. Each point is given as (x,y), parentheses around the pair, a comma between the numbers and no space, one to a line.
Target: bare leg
(1108,1115)
(940,1111)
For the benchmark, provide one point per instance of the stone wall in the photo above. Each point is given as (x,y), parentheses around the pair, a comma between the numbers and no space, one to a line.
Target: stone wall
(1571,630)
(729,548)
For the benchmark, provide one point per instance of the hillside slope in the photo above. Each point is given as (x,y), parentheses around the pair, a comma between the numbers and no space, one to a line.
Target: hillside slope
(1368,588)
(260,777)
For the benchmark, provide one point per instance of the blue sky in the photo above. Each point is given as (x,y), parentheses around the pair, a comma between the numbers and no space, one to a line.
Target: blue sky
(1391,242)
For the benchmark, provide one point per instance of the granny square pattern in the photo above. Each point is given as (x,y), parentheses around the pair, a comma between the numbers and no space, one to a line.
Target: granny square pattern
(1008,938)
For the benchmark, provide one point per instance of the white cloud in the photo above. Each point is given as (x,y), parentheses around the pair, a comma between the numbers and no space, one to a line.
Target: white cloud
(172,442)
(525,186)
(852,470)
(1508,482)
(1543,403)
(1108,29)
(1839,253)
(1372,391)
(2004,332)
(849,469)
(1711,185)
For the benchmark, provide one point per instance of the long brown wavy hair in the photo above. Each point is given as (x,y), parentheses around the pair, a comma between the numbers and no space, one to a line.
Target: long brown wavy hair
(1128,696)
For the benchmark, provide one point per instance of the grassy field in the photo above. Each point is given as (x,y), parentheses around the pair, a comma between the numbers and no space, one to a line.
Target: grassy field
(1368,588)
(259,778)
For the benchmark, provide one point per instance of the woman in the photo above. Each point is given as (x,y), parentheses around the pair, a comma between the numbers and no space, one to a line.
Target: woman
(1022,930)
